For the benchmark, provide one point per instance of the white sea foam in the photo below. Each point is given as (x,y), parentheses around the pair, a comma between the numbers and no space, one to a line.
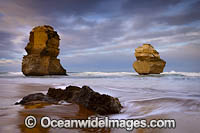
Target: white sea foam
(63,102)
(106,74)
(189,74)
(15,73)
(131,89)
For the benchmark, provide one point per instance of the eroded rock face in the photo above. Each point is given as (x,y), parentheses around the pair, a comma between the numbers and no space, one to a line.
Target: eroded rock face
(42,49)
(85,96)
(148,60)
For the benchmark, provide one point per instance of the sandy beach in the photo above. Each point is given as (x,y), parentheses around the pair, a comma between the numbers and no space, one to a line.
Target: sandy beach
(138,102)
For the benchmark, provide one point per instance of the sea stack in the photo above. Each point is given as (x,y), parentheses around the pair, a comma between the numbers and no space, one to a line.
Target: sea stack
(148,60)
(42,50)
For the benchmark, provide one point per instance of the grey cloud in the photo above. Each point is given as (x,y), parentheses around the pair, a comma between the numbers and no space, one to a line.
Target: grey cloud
(161,39)
(5,41)
(183,58)
(7,49)
(10,65)
(187,52)
(152,14)
(115,61)
(4,37)
(189,15)
(164,33)
(64,7)
(99,33)
(147,7)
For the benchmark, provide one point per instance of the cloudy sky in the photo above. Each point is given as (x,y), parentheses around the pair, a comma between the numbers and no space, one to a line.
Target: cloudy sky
(101,35)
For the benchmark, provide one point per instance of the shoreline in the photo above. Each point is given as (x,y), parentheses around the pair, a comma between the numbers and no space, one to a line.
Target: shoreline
(129,90)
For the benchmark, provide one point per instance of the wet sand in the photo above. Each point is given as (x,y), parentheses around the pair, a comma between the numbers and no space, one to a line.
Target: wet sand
(12,116)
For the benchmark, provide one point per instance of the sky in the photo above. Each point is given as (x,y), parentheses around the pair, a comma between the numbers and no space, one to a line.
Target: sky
(101,35)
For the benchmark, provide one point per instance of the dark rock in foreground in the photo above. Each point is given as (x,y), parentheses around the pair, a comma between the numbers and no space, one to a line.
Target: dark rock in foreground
(101,104)
(36,98)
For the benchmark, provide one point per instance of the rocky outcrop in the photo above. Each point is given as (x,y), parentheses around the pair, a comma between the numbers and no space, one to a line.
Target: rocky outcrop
(148,60)
(85,96)
(42,49)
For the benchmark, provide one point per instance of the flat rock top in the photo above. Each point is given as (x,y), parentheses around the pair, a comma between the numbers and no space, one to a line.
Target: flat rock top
(43,28)
(146,51)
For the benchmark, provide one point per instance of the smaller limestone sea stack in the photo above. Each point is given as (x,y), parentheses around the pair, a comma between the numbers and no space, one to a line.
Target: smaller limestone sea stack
(42,49)
(148,60)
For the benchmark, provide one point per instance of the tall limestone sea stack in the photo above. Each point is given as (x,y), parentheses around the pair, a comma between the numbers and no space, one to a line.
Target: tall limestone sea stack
(148,60)
(42,49)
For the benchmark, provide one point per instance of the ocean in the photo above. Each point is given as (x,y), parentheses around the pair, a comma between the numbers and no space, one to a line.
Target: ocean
(170,95)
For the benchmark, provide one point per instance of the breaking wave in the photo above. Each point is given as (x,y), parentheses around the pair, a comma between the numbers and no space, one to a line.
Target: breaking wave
(188,74)
(107,74)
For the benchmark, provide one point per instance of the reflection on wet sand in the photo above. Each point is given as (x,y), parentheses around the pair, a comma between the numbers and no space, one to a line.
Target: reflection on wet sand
(71,111)
(184,111)
(74,111)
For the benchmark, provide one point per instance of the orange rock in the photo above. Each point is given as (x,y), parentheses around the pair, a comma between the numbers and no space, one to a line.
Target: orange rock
(42,49)
(148,60)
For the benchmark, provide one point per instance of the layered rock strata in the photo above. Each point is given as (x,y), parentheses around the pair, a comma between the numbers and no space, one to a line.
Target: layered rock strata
(148,60)
(42,50)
